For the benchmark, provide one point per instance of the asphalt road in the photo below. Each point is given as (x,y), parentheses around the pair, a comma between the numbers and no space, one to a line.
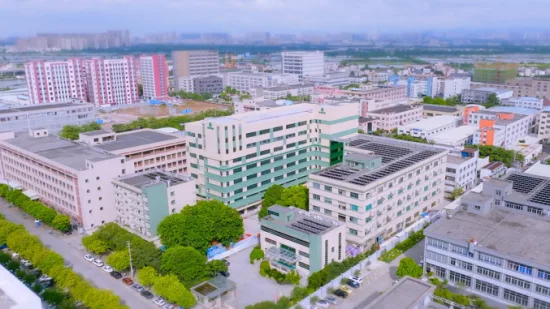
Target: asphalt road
(72,251)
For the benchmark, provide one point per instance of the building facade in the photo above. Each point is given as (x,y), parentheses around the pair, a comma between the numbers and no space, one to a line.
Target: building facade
(499,129)
(56,81)
(431,110)
(154,75)
(147,149)
(46,116)
(461,171)
(111,81)
(543,131)
(452,86)
(194,63)
(274,93)
(481,95)
(208,84)
(72,178)
(294,240)
(236,158)
(143,199)
(246,81)
(303,63)
(524,102)
(383,186)
(430,126)
(387,93)
(391,118)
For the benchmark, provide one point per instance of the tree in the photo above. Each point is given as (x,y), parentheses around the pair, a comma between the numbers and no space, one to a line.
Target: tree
(298,293)
(271,197)
(492,100)
(13,266)
(53,296)
(409,267)
(28,279)
(256,254)
(170,288)
(140,90)
(19,241)
(185,262)
(200,225)
(50,260)
(215,266)
(147,275)
(297,196)
(456,193)
(119,260)
(37,288)
(94,245)
(293,277)
(61,223)
(6,227)
(72,132)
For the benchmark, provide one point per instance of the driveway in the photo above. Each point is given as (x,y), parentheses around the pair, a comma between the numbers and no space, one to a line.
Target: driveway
(251,287)
(72,251)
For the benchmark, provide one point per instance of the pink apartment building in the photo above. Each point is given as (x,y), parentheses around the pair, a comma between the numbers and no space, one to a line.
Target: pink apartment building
(154,76)
(56,81)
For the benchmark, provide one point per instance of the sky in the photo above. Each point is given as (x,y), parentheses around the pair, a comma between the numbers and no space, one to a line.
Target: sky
(27,17)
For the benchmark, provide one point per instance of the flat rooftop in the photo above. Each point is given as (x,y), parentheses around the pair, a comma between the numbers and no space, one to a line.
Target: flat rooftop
(439,108)
(456,159)
(495,90)
(136,139)
(433,122)
(302,222)
(257,116)
(14,294)
(396,155)
(405,295)
(142,179)
(67,153)
(96,133)
(454,134)
(511,233)
(289,87)
(394,109)
(41,107)
(493,165)
(513,109)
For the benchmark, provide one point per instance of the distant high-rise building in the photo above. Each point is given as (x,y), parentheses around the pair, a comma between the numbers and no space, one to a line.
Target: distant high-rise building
(303,63)
(56,81)
(112,81)
(194,62)
(154,75)
(496,73)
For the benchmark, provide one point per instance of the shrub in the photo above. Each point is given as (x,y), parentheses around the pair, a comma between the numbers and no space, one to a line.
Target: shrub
(256,254)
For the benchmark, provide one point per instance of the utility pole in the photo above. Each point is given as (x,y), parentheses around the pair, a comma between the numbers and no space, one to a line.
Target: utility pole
(130,254)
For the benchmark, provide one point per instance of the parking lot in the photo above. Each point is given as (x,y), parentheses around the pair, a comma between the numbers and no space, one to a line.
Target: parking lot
(251,287)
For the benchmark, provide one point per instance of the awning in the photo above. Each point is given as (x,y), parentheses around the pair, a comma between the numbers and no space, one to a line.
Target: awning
(14,185)
(31,194)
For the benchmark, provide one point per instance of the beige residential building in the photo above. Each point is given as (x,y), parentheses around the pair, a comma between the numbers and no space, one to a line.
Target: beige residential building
(73,178)
(194,62)
(392,117)
(148,149)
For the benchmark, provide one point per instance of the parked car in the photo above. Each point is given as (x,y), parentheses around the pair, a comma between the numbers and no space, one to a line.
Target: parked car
(89,257)
(340,293)
(346,289)
(332,300)
(98,262)
(159,301)
(224,273)
(322,303)
(116,275)
(357,279)
(127,281)
(138,288)
(147,294)
(44,278)
(107,269)
(421,263)
(353,284)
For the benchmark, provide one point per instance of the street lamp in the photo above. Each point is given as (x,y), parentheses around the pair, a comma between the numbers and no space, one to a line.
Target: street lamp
(130,254)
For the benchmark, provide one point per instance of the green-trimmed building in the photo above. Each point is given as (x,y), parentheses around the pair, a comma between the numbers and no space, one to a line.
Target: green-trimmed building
(295,240)
(236,158)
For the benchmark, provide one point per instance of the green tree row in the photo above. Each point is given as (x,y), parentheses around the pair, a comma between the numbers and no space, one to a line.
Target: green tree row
(499,154)
(71,132)
(29,247)
(297,196)
(177,122)
(452,101)
(192,96)
(36,209)
(284,302)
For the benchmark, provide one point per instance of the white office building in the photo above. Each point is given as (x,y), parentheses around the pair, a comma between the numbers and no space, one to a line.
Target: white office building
(303,63)
(246,81)
(390,118)
(452,86)
(461,171)
(382,186)
(281,92)
(142,200)
(499,129)
(524,102)
(430,126)
(459,136)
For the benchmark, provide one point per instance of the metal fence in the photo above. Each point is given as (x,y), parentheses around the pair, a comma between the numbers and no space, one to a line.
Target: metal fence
(385,246)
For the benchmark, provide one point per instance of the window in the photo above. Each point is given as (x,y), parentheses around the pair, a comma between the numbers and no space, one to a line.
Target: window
(487,287)
(302,253)
(543,275)
(460,278)
(354,207)
(354,195)
(285,236)
(317,208)
(539,304)
(542,290)
(276,129)
(328,212)
(488,273)
(316,197)
(461,264)
(439,271)
(438,243)
(489,259)
(436,256)
(368,207)
(353,232)
(459,250)
(328,188)
(290,126)
(270,241)
(518,282)
(303,265)
(251,134)
(316,185)
(516,297)
(353,220)
(328,200)
(520,268)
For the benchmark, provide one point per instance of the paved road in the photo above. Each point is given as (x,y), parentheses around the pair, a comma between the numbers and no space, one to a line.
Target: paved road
(72,251)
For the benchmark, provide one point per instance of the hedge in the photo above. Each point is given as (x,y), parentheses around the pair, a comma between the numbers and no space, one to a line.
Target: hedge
(29,247)
(36,209)
(403,246)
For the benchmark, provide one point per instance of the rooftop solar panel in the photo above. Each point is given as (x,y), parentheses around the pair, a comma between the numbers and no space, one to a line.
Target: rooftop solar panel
(524,184)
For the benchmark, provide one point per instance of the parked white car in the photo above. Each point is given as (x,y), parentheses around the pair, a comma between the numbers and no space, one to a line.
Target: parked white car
(98,262)
(26,263)
(89,257)
(357,279)
(107,269)
(159,301)
(44,278)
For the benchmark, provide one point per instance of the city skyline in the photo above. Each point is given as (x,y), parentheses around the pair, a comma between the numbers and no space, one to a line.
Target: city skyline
(242,16)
